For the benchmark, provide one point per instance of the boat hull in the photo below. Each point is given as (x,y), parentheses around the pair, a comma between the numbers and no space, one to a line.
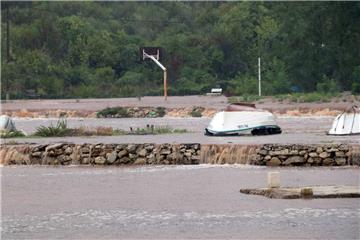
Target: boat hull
(244,122)
(346,124)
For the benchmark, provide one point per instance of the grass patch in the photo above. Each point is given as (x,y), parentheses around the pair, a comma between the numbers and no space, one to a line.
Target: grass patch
(59,130)
(293,98)
(311,97)
(98,131)
(157,112)
(281,97)
(62,130)
(244,98)
(197,112)
(151,130)
(119,112)
(160,111)
(125,112)
(11,134)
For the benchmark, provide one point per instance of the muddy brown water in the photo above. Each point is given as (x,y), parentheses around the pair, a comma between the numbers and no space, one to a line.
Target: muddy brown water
(288,124)
(296,130)
(171,202)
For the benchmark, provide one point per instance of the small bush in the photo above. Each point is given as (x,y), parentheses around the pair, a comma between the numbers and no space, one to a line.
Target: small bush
(98,131)
(355,88)
(11,134)
(251,98)
(244,98)
(328,86)
(233,99)
(151,130)
(312,97)
(197,112)
(181,130)
(163,130)
(113,112)
(242,84)
(281,97)
(160,111)
(59,130)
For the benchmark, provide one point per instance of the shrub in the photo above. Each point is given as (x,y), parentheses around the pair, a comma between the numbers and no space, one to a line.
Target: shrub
(179,130)
(196,112)
(243,84)
(167,129)
(160,111)
(244,98)
(276,79)
(355,88)
(232,99)
(11,134)
(59,130)
(157,130)
(281,97)
(327,85)
(310,97)
(251,98)
(113,112)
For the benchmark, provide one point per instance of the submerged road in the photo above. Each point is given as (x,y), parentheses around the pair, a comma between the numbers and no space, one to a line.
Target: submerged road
(296,130)
(157,202)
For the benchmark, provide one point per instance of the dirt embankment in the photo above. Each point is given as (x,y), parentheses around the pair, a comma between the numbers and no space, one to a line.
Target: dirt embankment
(135,112)
(198,106)
(171,112)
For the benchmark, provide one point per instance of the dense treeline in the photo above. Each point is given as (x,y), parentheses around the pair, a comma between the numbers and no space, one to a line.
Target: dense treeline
(91,49)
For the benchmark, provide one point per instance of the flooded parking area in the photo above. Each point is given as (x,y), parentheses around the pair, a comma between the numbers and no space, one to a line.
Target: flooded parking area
(288,124)
(296,130)
(155,202)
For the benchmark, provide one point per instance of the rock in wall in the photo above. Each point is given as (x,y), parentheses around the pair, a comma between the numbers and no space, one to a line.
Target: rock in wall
(100,154)
(138,154)
(303,155)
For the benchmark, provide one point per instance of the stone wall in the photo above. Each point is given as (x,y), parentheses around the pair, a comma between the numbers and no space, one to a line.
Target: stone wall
(100,154)
(303,155)
(125,154)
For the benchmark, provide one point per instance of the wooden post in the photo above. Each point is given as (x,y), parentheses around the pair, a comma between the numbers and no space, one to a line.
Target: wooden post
(273,180)
(165,84)
(259,75)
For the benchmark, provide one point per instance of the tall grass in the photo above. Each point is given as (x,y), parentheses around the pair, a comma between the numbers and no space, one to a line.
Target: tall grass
(59,130)
(113,112)
(244,98)
(151,130)
(11,134)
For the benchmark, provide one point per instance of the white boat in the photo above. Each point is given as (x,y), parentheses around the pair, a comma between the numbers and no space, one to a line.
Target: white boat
(242,118)
(6,123)
(346,123)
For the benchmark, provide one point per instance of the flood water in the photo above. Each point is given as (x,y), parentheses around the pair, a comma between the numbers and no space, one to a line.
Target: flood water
(171,202)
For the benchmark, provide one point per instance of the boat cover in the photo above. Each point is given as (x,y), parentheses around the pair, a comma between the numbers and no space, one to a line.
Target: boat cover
(347,123)
(6,123)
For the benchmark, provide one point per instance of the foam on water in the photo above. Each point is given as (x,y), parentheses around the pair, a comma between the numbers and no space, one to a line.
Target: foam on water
(114,219)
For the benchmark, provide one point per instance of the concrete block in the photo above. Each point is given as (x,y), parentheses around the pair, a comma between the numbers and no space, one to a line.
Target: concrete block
(273,179)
